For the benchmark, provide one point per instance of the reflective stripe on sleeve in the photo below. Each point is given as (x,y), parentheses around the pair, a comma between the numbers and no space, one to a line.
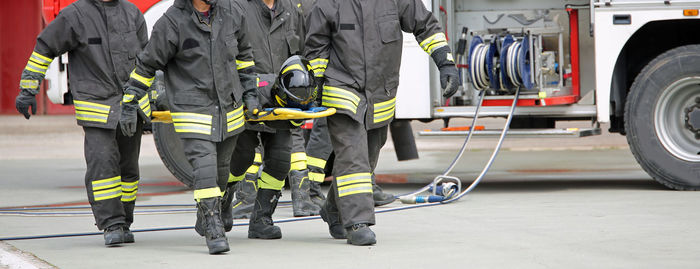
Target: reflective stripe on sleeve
(29,84)
(145,105)
(436,41)
(318,66)
(144,80)
(244,64)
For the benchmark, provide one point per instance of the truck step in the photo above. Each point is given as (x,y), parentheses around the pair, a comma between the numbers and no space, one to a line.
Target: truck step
(568,132)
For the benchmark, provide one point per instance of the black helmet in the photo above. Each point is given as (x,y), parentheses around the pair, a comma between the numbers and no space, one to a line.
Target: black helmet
(296,87)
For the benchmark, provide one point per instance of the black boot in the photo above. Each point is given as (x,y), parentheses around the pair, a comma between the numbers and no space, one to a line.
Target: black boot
(226,214)
(114,235)
(380,197)
(209,211)
(330,216)
(261,224)
(361,235)
(301,202)
(316,194)
(128,235)
(245,190)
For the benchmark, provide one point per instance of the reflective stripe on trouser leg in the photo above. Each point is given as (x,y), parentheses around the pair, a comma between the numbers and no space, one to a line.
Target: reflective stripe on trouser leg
(103,181)
(351,170)
(210,161)
(267,181)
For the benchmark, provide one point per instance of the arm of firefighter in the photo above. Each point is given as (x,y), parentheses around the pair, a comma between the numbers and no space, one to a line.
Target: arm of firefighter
(155,55)
(318,38)
(245,61)
(57,38)
(142,33)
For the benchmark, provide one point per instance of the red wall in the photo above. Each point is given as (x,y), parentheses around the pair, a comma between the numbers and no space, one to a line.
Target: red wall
(20,23)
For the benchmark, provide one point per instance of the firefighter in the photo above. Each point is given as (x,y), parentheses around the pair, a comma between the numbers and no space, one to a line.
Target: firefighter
(203,47)
(101,37)
(278,25)
(354,48)
(319,150)
(295,88)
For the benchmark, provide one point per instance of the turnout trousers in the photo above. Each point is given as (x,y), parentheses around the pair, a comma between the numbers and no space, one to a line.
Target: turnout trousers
(112,175)
(210,161)
(298,150)
(275,159)
(318,150)
(356,155)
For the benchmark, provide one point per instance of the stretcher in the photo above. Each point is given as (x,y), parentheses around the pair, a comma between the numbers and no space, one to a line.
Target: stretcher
(267,114)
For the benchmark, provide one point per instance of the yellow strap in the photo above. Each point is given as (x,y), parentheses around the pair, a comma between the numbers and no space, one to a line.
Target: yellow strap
(207,193)
(317,162)
(317,177)
(269,182)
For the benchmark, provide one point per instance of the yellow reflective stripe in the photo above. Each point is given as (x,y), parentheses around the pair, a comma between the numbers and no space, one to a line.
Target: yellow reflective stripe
(207,193)
(106,183)
(298,156)
(234,125)
(355,189)
(244,64)
(37,66)
(90,106)
(91,116)
(129,196)
(232,178)
(318,61)
(144,80)
(297,166)
(127,98)
(342,180)
(258,157)
(192,128)
(145,105)
(384,105)
(269,182)
(130,186)
(41,58)
(191,117)
(338,103)
(317,162)
(253,169)
(35,71)
(234,114)
(379,117)
(435,46)
(292,67)
(29,84)
(107,194)
(317,177)
(343,93)
(437,37)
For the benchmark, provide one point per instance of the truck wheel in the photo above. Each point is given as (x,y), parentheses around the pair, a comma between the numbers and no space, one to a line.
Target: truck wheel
(662,118)
(171,153)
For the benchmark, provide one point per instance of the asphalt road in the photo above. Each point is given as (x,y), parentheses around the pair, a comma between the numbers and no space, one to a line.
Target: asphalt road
(552,203)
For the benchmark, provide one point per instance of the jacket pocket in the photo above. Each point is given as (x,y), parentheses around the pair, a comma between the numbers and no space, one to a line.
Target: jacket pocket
(88,89)
(191,97)
(390,31)
(231,46)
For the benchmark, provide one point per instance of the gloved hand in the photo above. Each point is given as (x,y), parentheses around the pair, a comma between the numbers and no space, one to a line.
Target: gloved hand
(131,111)
(24,101)
(252,105)
(449,80)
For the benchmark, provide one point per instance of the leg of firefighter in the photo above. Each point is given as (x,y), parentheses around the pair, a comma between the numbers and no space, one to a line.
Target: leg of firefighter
(129,149)
(376,138)
(223,162)
(299,182)
(244,174)
(352,182)
(103,183)
(202,156)
(275,168)
(318,149)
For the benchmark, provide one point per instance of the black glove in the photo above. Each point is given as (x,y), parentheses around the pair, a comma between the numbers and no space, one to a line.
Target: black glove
(24,101)
(252,105)
(449,77)
(449,80)
(131,112)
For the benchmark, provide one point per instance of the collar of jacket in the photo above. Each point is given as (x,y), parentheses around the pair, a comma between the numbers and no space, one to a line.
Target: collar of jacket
(113,2)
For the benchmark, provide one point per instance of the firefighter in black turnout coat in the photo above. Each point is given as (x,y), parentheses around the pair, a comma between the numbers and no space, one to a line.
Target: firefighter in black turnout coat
(203,49)
(354,47)
(102,39)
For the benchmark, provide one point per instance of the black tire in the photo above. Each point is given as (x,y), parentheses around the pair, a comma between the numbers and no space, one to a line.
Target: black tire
(169,148)
(647,135)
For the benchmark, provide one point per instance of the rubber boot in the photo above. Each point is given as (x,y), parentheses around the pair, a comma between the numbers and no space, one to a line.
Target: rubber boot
(246,190)
(316,194)
(226,211)
(301,201)
(380,197)
(330,216)
(361,235)
(209,211)
(261,225)
(114,235)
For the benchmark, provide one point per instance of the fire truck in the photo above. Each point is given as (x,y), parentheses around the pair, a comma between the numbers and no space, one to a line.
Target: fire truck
(631,64)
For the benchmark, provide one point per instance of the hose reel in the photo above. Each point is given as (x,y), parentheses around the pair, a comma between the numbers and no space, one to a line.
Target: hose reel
(505,69)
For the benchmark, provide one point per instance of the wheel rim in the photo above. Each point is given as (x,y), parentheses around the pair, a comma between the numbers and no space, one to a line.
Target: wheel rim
(670,119)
